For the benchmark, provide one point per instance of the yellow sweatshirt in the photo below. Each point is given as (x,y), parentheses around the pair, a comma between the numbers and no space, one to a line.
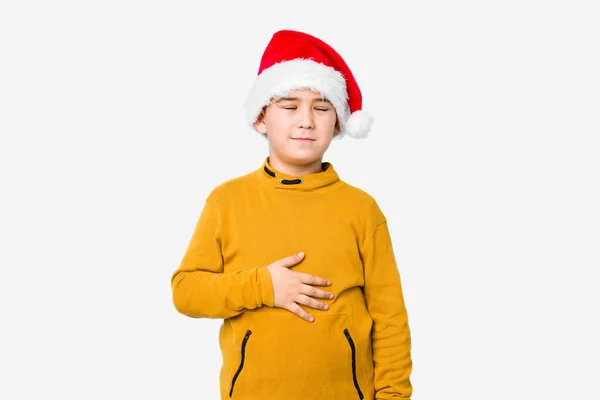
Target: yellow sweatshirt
(360,348)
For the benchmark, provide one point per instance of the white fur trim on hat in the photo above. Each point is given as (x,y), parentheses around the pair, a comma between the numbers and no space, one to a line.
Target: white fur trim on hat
(280,79)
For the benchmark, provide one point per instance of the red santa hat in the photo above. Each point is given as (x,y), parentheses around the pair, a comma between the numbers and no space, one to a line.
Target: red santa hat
(295,60)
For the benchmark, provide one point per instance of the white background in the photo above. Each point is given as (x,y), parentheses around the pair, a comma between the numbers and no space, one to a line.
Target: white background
(118,117)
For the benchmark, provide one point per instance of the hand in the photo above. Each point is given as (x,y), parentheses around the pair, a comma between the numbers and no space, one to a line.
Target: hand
(294,288)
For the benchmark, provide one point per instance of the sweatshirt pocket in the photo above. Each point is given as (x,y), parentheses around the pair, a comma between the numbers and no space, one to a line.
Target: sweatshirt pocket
(243,357)
(353,349)
(281,356)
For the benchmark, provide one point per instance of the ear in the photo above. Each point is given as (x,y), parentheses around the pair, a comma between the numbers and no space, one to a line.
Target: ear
(259,124)
(336,129)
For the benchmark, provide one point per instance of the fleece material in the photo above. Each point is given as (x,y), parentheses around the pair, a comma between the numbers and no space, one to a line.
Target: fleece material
(360,348)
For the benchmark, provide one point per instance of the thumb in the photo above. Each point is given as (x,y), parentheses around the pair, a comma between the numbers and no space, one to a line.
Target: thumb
(291,260)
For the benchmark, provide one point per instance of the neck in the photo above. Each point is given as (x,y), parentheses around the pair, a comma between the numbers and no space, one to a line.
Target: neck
(299,169)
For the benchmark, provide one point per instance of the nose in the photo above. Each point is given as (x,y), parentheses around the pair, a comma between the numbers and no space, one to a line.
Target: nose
(305,118)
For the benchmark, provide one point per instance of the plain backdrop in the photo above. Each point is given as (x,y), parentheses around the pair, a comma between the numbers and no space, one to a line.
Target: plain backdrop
(118,117)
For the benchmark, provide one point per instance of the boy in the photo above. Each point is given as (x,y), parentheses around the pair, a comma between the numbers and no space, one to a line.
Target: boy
(298,263)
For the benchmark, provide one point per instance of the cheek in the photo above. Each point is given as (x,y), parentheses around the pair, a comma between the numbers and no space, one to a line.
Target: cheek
(279,121)
(327,123)
(329,119)
(279,130)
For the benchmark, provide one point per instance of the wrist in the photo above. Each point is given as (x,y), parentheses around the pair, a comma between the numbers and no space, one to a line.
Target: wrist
(265,284)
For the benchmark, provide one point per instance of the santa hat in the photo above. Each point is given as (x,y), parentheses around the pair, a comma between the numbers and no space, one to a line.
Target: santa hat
(295,60)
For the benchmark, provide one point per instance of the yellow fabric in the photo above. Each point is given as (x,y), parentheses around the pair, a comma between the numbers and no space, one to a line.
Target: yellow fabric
(358,349)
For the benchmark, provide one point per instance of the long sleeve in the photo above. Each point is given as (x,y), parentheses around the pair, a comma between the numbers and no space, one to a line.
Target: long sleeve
(385,301)
(200,287)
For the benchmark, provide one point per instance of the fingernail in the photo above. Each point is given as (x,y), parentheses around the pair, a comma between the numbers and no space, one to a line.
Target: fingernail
(331,295)
(328,283)
(300,254)
(325,307)
(310,319)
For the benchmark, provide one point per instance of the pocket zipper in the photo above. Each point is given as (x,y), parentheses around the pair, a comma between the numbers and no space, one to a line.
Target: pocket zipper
(244,341)
(351,342)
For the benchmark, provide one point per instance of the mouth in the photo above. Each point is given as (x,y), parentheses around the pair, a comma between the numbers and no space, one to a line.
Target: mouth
(304,139)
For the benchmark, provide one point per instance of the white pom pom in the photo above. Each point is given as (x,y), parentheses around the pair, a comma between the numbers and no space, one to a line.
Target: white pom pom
(358,125)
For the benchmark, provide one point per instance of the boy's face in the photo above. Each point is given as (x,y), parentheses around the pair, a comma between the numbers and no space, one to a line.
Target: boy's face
(299,127)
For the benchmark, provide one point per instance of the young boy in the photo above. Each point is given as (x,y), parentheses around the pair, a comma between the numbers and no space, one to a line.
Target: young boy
(298,263)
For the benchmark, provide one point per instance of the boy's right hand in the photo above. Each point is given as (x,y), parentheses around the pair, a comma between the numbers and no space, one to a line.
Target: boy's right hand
(294,288)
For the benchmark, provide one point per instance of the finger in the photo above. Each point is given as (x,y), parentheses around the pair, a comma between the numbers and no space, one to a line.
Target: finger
(313,280)
(312,303)
(291,260)
(314,292)
(299,311)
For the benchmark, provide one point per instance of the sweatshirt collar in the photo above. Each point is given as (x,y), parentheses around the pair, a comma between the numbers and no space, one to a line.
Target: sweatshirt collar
(272,177)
